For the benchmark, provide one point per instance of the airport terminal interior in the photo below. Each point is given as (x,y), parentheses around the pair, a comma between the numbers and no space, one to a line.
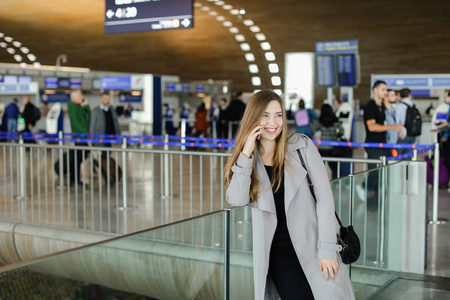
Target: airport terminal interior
(136,207)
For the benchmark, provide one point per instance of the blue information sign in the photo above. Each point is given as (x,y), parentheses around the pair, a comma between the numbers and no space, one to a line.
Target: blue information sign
(127,97)
(116,83)
(337,47)
(53,98)
(147,15)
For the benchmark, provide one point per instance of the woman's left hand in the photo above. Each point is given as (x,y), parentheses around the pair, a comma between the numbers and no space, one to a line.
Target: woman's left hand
(329,266)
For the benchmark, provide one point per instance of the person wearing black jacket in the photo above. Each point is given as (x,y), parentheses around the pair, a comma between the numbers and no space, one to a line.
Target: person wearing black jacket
(235,111)
(29,114)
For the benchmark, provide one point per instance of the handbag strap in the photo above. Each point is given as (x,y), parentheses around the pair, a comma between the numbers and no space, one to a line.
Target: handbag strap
(311,186)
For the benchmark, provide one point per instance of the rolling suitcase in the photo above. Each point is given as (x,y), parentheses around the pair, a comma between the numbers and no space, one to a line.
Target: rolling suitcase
(113,177)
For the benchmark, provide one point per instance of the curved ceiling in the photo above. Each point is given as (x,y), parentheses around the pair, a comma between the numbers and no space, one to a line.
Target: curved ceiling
(394,37)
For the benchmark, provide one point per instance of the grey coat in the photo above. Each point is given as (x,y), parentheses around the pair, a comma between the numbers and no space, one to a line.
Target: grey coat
(312,226)
(98,121)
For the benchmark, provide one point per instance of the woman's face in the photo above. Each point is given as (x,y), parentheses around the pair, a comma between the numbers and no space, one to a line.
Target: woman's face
(272,121)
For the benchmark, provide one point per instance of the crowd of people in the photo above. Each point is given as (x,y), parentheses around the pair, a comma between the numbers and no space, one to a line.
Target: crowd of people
(208,115)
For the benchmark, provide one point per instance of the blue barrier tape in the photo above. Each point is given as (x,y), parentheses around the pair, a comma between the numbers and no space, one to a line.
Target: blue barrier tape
(408,154)
(214,141)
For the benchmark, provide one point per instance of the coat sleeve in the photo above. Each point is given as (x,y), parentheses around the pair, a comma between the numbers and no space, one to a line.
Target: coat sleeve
(238,192)
(327,246)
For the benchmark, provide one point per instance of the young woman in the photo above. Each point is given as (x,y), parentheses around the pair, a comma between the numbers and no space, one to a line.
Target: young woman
(295,252)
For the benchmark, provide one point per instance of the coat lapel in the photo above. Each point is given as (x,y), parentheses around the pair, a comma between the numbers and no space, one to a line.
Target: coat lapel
(294,173)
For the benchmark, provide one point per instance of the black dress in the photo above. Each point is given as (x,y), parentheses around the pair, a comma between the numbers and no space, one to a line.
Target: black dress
(284,267)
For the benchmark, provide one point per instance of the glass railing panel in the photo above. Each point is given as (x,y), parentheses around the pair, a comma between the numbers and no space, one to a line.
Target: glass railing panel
(241,254)
(367,215)
(180,261)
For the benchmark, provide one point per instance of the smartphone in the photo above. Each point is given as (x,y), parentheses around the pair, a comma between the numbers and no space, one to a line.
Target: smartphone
(259,136)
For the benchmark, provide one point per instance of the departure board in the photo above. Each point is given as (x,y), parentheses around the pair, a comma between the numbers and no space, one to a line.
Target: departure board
(346,69)
(326,71)
(147,15)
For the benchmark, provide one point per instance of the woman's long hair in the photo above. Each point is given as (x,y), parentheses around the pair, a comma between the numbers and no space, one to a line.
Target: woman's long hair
(252,116)
(327,117)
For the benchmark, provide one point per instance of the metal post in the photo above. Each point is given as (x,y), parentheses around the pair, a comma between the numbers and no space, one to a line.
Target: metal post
(382,208)
(227,254)
(22,170)
(214,129)
(61,163)
(166,195)
(436,186)
(415,155)
(124,180)
(183,134)
(230,131)
(352,207)
(330,96)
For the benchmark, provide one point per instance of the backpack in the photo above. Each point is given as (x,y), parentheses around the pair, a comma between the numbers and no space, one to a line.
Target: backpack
(413,121)
(36,114)
(302,118)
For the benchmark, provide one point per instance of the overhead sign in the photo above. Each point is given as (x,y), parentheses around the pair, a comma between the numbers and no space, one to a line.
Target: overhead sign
(19,88)
(337,63)
(53,98)
(412,81)
(147,15)
(337,47)
(115,83)
(127,98)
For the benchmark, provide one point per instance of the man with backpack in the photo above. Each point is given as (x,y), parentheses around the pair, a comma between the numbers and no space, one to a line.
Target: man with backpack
(408,115)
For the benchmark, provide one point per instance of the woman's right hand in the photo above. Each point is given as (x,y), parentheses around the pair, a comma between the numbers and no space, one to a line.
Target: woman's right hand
(250,143)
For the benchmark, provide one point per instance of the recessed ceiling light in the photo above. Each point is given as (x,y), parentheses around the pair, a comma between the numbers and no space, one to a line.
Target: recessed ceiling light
(255,29)
(276,80)
(205,8)
(11,50)
(253,68)
(234,30)
(234,11)
(31,57)
(18,58)
(256,81)
(227,24)
(227,7)
(249,57)
(260,36)
(213,13)
(273,68)
(248,22)
(17,44)
(265,46)
(245,47)
(8,39)
(270,56)
(25,50)
(239,37)
(220,18)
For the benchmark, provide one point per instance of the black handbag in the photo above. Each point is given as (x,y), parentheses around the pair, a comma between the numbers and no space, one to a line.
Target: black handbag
(347,237)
